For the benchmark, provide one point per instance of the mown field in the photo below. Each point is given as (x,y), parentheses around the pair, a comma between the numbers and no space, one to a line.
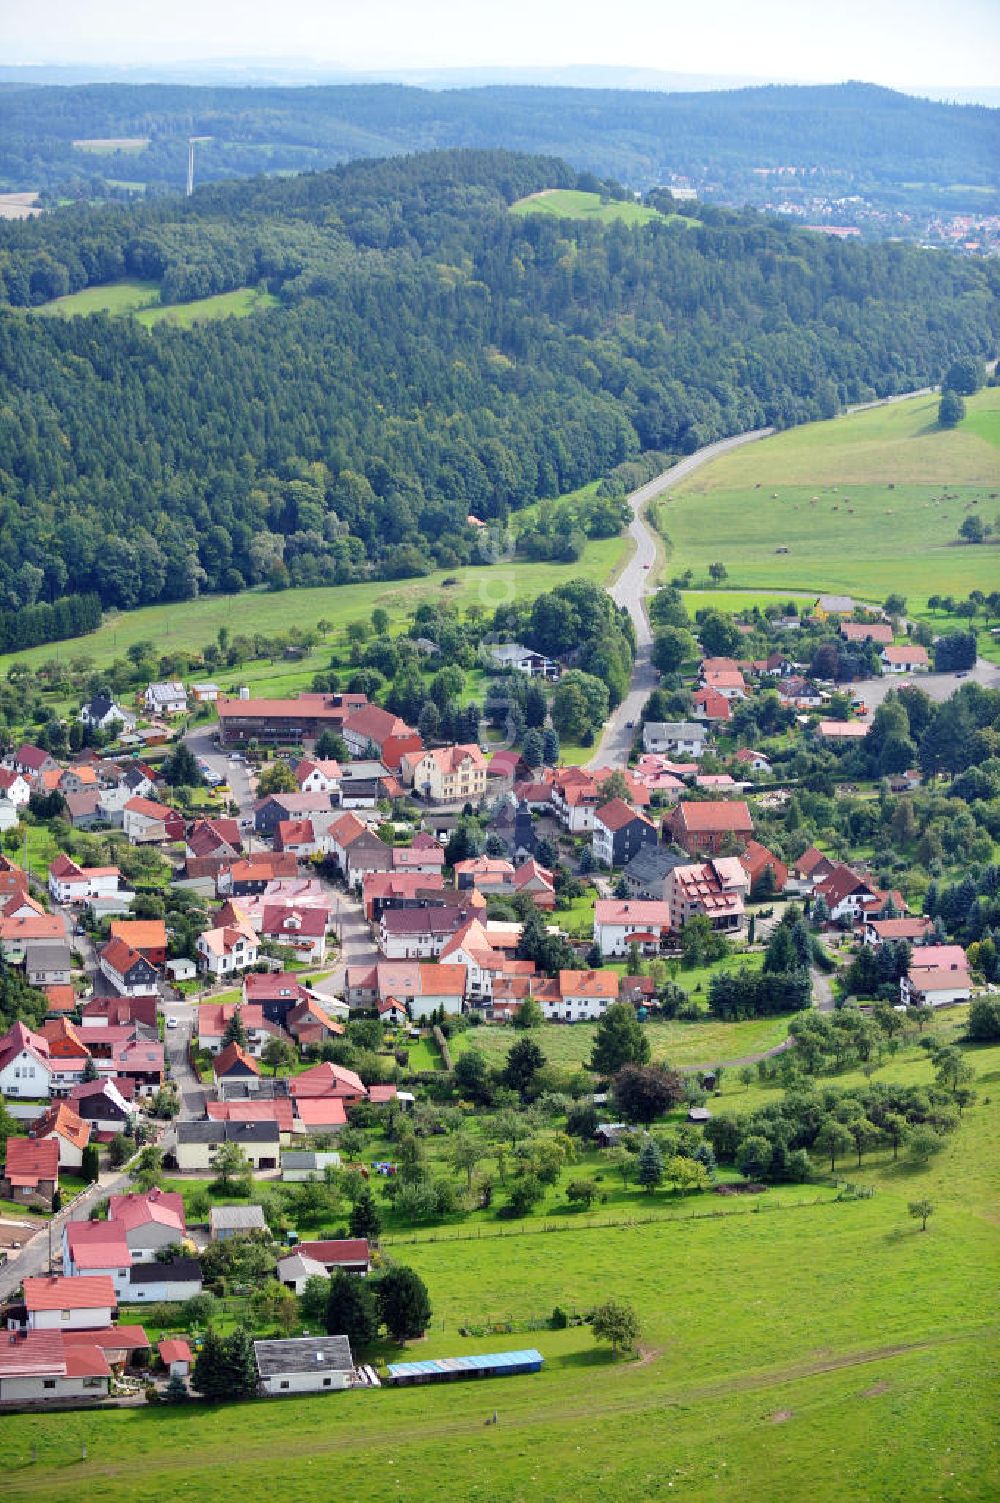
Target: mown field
(567,203)
(142,298)
(188,625)
(868,503)
(796,1348)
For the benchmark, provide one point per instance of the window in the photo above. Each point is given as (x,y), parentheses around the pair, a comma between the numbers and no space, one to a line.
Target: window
(327,1382)
(48,1382)
(64,1315)
(283,1383)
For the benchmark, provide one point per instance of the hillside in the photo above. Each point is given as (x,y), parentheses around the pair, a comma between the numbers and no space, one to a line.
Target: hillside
(431,356)
(869,504)
(901,152)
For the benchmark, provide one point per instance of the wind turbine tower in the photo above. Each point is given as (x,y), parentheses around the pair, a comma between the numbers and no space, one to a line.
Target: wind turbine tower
(192,141)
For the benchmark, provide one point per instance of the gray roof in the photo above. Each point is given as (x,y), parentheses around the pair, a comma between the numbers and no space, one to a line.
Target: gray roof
(231,1132)
(677,730)
(363,769)
(50,954)
(652,863)
(303,1354)
(308,1159)
(238,1218)
(299,1266)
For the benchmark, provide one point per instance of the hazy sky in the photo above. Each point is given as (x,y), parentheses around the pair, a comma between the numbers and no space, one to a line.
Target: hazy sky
(898,42)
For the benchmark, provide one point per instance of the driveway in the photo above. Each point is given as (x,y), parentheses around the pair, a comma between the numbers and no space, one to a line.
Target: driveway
(630,590)
(939,686)
(193,1093)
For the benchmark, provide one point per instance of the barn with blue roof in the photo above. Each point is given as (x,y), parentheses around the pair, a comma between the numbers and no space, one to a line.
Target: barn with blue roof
(454,1369)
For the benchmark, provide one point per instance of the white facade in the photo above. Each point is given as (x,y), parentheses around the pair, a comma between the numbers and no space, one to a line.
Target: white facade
(30,1390)
(89,1319)
(26,1075)
(670,737)
(166,1291)
(422,1007)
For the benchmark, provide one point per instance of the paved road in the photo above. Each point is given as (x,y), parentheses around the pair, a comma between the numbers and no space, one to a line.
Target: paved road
(631,587)
(939,686)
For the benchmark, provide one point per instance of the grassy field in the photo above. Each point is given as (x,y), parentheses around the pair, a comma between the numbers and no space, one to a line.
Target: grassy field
(867,503)
(190,624)
(108,145)
(829,1346)
(682,1044)
(567,203)
(142,298)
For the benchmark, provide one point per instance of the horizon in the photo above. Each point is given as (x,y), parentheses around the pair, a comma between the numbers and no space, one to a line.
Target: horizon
(783,41)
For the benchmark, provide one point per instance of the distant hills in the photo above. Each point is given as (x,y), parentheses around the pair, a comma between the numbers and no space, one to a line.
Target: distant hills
(900,153)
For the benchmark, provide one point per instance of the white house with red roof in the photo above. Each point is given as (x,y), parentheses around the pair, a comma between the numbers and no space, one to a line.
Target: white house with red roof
(233,945)
(938,976)
(69,883)
(69,1304)
(318,775)
(910,658)
(147,822)
(31,761)
(97,1247)
(301,929)
(42,1366)
(26,1067)
(151,1221)
(14,787)
(67,1130)
(914,929)
(621,922)
(31,1172)
(577,996)
(129,972)
(370,726)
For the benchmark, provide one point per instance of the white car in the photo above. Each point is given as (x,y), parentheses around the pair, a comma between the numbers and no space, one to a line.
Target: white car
(171,1022)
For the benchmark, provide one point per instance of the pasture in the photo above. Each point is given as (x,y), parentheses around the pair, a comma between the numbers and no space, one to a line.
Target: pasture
(828,1345)
(867,503)
(108,145)
(568,203)
(189,624)
(132,295)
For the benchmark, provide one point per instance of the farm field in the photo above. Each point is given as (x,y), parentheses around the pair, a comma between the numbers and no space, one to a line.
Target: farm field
(142,298)
(568,203)
(108,145)
(189,624)
(831,1344)
(822,491)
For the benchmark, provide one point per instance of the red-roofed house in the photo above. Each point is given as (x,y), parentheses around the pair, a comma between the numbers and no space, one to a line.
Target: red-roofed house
(577,996)
(69,1304)
(297,836)
(705,827)
(69,883)
(303,930)
(715,889)
(97,1247)
(130,973)
(147,936)
(757,860)
(620,923)
(25,1066)
(215,1017)
(391,737)
(233,1063)
(30,1172)
(909,659)
(709,704)
(41,1365)
(320,1113)
(146,822)
(446,775)
(867,631)
(67,1130)
(882,931)
(151,1220)
(939,977)
(327,1080)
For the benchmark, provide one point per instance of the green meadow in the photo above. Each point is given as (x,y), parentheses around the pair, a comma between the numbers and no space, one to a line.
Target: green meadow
(188,625)
(132,295)
(794,1347)
(568,203)
(868,503)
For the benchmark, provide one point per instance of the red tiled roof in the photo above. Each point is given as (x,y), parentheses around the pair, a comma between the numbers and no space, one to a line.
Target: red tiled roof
(174,1349)
(336,1250)
(321,1111)
(98,1244)
(714,816)
(95,1292)
(141,934)
(589,984)
(231,1056)
(62,1121)
(30,1161)
(162,1207)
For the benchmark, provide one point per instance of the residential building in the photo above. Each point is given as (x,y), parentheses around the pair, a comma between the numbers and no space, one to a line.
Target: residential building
(715,889)
(577,996)
(911,658)
(67,1129)
(620,923)
(148,937)
(419,933)
(151,1221)
(938,977)
(166,699)
(226,1222)
(30,1174)
(447,774)
(69,1304)
(646,874)
(709,704)
(26,1067)
(671,738)
(302,930)
(372,730)
(101,713)
(304,1364)
(229,948)
(758,862)
(97,1248)
(524,660)
(318,776)
(14,787)
(197,1143)
(69,883)
(165,1283)
(105,1104)
(129,973)
(619,833)
(41,1365)
(914,930)
(146,822)
(867,631)
(705,827)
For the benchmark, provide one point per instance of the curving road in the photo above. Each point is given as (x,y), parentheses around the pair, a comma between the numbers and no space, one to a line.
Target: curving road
(632,585)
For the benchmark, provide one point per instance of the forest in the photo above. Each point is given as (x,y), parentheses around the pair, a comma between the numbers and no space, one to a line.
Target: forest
(431,356)
(848,138)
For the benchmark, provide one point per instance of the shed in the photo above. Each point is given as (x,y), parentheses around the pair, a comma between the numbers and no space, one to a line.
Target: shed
(699,1114)
(235,1221)
(454,1369)
(181,970)
(176,1356)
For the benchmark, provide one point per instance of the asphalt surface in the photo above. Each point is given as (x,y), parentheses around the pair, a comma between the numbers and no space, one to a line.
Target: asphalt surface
(631,588)
(33,1258)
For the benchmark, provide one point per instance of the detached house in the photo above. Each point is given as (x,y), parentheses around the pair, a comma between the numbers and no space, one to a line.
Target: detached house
(166,698)
(372,727)
(446,775)
(620,833)
(301,929)
(70,1304)
(95,1249)
(715,889)
(577,996)
(31,1172)
(69,883)
(14,787)
(909,659)
(26,1068)
(102,712)
(146,822)
(129,973)
(938,976)
(67,1130)
(620,923)
(705,827)
(229,948)
(672,738)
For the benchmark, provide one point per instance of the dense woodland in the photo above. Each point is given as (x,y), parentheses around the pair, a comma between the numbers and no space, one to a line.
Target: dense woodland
(432,356)
(852,137)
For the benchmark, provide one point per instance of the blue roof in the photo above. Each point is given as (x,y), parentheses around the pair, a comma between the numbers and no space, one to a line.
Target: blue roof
(490,1360)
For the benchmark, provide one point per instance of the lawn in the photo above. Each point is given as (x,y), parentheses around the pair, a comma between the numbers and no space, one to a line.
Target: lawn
(829,1346)
(191,624)
(867,503)
(567,203)
(111,297)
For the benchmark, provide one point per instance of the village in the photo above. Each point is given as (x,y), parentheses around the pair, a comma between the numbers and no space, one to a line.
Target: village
(262,990)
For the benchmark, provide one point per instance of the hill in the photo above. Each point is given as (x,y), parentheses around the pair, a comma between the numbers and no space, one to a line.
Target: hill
(420,355)
(902,153)
(868,503)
